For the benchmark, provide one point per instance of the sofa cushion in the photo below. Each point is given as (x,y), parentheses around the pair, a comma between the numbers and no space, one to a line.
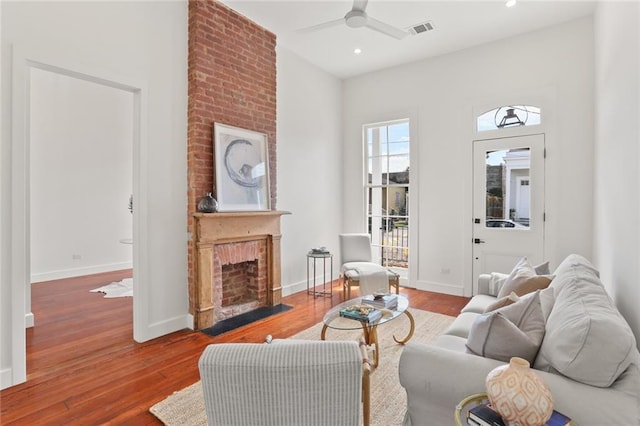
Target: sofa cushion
(574,261)
(515,330)
(523,279)
(453,343)
(496,282)
(461,325)
(479,303)
(586,338)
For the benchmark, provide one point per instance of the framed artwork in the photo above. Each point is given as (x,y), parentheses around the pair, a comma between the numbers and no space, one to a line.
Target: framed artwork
(242,169)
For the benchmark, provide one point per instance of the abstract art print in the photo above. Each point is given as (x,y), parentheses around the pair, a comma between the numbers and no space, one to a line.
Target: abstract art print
(242,169)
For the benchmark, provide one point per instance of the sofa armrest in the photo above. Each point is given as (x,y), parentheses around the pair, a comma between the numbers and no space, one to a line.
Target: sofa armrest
(436,379)
(483,284)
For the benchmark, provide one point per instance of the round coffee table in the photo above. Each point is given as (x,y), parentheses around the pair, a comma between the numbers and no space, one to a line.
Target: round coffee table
(332,319)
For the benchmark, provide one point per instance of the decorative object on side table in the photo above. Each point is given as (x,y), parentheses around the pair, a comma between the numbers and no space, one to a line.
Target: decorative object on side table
(208,204)
(518,394)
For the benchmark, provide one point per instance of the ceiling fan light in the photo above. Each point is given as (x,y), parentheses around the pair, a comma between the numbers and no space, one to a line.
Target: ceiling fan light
(357,51)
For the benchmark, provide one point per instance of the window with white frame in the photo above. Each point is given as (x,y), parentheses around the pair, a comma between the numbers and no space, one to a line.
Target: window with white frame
(387,189)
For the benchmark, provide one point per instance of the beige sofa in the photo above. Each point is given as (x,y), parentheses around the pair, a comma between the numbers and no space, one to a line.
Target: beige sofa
(588,355)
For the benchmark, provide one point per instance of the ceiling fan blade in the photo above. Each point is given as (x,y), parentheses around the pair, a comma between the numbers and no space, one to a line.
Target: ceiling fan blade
(359,5)
(324,25)
(387,29)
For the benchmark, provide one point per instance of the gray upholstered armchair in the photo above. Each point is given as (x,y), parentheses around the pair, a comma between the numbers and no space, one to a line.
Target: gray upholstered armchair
(289,382)
(357,260)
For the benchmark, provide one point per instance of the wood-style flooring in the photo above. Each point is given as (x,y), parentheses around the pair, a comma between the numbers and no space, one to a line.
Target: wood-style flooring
(84,368)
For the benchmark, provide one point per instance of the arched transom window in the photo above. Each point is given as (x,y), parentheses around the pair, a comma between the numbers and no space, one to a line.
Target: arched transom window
(508,116)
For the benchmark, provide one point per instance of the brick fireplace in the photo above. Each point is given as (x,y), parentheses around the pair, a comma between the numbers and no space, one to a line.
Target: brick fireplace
(232,80)
(237,262)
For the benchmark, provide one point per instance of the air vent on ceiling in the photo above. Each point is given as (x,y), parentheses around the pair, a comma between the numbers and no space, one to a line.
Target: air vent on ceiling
(422,28)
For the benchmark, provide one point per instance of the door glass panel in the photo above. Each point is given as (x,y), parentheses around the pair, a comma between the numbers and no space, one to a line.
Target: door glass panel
(508,197)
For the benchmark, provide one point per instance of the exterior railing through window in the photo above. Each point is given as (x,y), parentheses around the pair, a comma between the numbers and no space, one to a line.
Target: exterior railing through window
(394,251)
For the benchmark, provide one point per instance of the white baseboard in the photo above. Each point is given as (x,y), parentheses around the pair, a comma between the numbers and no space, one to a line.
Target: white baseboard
(6,378)
(302,285)
(439,287)
(78,272)
(29,320)
(290,289)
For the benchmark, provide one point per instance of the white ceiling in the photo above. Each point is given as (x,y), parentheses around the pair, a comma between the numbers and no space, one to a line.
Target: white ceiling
(458,25)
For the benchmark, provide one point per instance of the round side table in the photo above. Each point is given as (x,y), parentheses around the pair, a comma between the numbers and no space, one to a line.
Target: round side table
(322,257)
(464,405)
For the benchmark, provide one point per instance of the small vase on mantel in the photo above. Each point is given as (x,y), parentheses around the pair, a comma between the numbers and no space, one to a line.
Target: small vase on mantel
(518,394)
(208,204)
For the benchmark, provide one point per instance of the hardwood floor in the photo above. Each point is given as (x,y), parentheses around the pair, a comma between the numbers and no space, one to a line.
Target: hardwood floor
(85,369)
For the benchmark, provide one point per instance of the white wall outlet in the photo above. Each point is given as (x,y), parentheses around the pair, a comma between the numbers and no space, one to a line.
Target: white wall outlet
(76,257)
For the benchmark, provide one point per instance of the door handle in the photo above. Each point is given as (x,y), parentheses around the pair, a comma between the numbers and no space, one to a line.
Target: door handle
(478,241)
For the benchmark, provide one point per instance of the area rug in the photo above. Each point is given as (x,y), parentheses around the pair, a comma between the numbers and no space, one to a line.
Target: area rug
(388,398)
(122,288)
(244,319)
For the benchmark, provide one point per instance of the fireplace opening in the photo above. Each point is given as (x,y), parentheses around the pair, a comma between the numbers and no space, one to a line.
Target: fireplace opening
(239,283)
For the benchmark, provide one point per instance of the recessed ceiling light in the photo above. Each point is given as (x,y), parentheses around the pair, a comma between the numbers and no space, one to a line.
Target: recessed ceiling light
(357,51)
(511,3)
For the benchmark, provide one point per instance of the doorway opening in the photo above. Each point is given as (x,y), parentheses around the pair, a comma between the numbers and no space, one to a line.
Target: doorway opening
(20,199)
(81,168)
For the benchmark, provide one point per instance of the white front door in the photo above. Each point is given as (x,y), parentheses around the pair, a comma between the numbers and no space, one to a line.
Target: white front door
(508,203)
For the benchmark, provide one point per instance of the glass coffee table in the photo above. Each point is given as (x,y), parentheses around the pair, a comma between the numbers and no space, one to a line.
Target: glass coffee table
(332,319)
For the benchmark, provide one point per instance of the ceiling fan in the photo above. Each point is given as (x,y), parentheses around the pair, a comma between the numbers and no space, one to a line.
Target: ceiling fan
(357,17)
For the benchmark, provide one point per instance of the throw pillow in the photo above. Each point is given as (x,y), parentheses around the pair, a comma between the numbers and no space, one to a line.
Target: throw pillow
(515,330)
(542,269)
(498,279)
(523,280)
(502,302)
(587,339)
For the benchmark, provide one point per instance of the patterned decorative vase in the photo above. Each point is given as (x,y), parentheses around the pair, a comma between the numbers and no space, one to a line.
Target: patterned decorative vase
(518,394)
(208,204)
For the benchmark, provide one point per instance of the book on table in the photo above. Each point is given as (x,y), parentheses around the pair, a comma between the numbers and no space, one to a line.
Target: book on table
(386,301)
(485,415)
(362,313)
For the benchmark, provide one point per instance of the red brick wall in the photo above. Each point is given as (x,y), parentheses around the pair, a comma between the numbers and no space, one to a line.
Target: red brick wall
(232,80)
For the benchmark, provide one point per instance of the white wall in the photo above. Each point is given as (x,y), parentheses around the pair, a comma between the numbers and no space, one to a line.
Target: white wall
(555,66)
(81,146)
(309,163)
(617,140)
(143,44)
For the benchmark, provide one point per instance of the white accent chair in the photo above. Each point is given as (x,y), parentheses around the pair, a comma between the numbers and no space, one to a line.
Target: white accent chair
(288,382)
(355,254)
